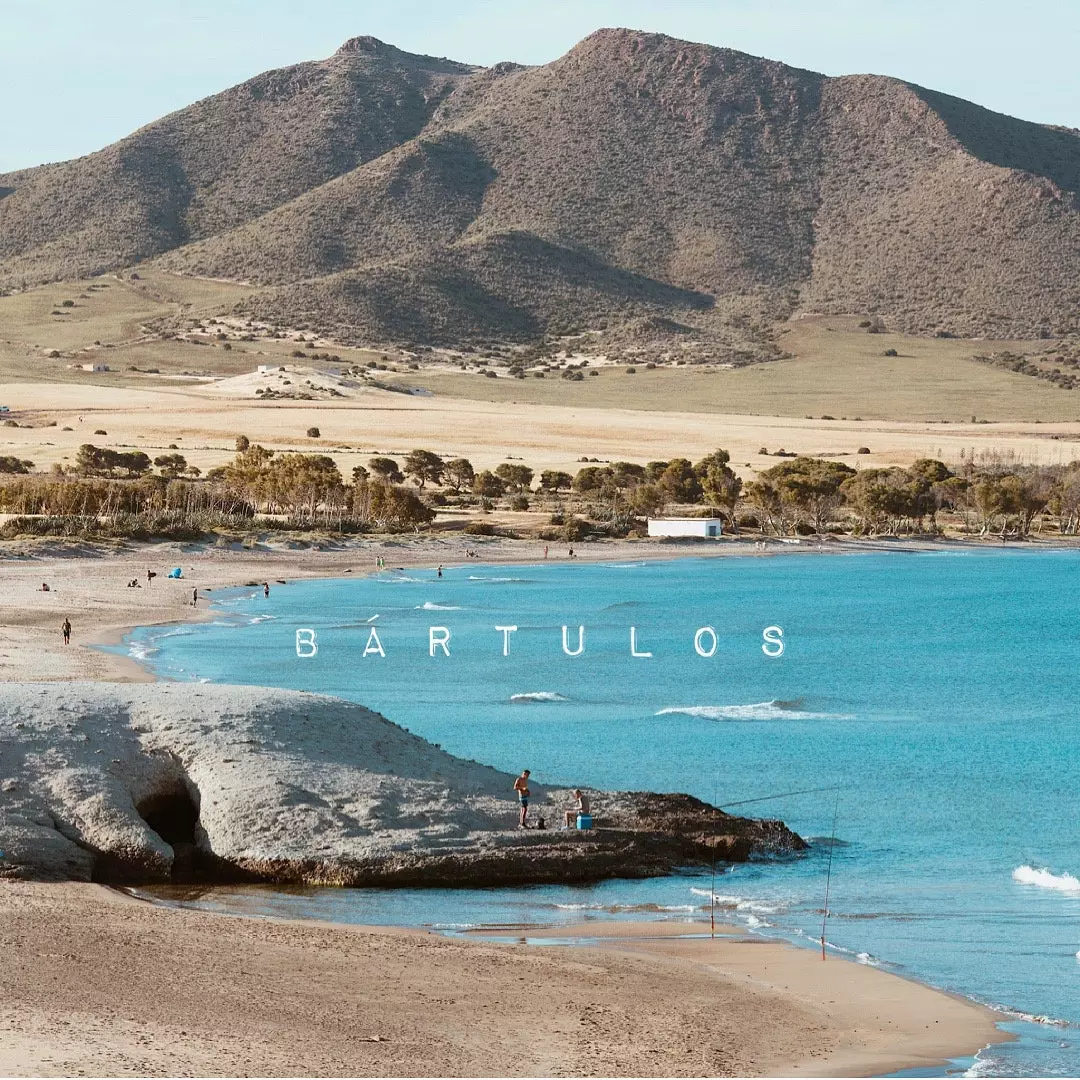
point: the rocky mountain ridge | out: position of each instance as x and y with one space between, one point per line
636 183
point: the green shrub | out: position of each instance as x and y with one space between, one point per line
575 530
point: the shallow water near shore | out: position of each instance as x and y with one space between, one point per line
935 692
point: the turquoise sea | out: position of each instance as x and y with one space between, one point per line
933 696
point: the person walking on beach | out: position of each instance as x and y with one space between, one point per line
545 551
195 597
65 629
581 807
521 786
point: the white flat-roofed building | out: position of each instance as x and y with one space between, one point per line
703 527
95 367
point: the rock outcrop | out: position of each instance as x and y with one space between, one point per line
201 783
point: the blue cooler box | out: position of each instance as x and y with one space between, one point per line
584 821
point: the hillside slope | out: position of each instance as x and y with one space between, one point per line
637 181
218 163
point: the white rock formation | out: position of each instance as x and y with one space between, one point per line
138 782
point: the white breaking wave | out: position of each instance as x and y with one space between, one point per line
763 710
717 898
740 904
541 695
615 909
981 1067
1044 879
499 580
427 605
1030 1018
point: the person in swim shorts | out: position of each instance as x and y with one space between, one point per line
521 786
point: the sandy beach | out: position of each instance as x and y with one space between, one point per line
96 983
89 585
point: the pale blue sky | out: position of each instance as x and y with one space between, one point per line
77 74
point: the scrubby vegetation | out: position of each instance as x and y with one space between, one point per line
116 494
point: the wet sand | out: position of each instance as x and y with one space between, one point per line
96 983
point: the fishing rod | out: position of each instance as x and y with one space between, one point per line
828 875
712 884
785 795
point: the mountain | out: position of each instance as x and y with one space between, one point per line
638 185
220 163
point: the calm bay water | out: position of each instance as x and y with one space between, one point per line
936 692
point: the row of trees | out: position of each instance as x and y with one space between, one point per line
798 495
810 494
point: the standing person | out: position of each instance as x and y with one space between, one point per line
570 553
150 575
521 786
266 589
194 597
65 629
545 551
440 571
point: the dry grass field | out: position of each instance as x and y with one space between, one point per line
838 393
836 370
112 322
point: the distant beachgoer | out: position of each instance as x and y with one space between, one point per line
521 786
194 597
65 629
545 551
580 807
150 575
440 571
571 553
266 588
45 586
